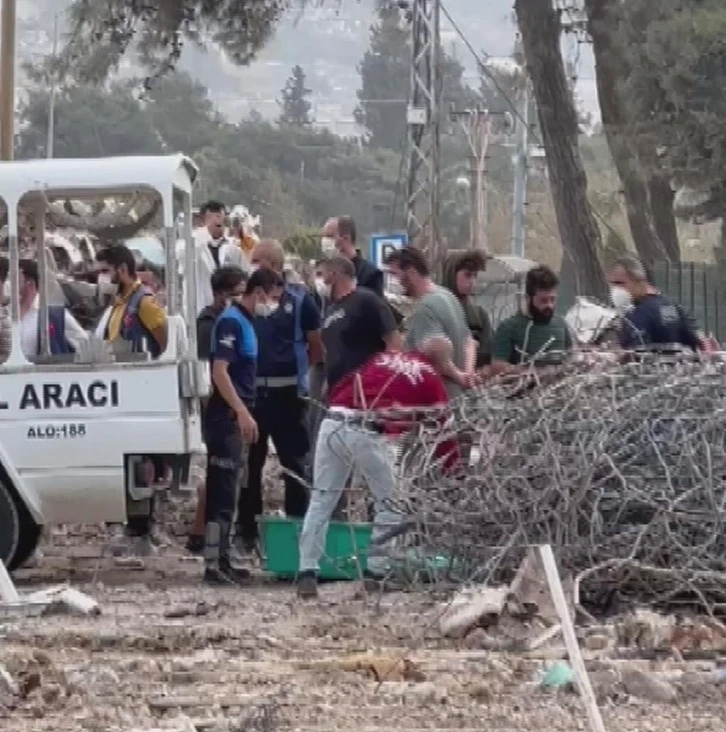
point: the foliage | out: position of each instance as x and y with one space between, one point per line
88 123
102 32
386 79
305 243
676 90
292 176
294 105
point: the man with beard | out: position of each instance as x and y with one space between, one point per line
535 335
438 314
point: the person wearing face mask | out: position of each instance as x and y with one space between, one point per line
535 335
649 319
135 321
228 283
288 333
339 236
229 424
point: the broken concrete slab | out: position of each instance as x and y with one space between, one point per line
469 606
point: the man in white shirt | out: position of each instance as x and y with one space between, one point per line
64 332
214 250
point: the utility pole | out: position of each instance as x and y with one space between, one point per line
53 85
521 175
422 195
7 80
477 126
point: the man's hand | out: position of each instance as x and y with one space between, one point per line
248 427
465 380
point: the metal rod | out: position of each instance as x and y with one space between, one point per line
519 216
39 216
7 80
49 145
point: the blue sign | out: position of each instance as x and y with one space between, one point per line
383 244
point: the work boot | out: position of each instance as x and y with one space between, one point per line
307 585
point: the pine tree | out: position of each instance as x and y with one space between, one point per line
294 105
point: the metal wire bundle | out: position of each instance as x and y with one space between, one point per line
621 468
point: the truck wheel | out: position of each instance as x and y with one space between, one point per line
9 527
28 540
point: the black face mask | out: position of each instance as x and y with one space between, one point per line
541 316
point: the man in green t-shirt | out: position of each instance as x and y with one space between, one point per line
535 335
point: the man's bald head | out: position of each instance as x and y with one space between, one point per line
269 254
343 230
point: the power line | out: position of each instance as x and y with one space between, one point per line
512 106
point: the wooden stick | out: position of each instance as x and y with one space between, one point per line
568 632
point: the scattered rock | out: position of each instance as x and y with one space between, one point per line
7 682
645 685
597 642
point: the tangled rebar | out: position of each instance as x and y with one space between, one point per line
620 467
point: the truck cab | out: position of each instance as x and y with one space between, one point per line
75 429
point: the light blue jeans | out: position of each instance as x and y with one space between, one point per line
340 447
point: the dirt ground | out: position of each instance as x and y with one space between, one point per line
168 653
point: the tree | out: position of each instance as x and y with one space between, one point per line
294 105
386 79
89 122
676 91
101 33
541 29
655 238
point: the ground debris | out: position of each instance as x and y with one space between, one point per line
376 666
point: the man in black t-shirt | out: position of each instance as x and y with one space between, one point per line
357 325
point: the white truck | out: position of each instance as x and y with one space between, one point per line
73 430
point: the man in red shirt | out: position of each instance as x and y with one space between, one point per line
366 407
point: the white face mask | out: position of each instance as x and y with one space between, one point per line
321 287
620 298
327 244
265 309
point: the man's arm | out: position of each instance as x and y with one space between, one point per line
205 327
225 387
75 335
470 350
378 312
153 318
227 337
502 347
428 338
375 282
310 324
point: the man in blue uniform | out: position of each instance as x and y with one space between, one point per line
650 320
228 422
288 333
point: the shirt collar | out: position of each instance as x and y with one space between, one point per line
126 296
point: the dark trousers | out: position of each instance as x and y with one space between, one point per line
224 461
280 415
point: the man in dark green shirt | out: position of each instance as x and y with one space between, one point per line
535 335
